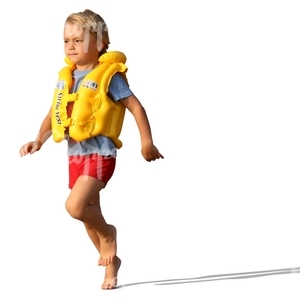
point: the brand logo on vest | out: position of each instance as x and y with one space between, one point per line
60 85
58 100
90 84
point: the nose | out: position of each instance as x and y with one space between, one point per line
71 45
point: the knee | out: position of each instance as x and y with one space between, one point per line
74 210
88 227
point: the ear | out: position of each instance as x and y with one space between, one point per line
100 46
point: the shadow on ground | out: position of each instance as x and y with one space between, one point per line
216 277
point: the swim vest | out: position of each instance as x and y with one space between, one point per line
93 112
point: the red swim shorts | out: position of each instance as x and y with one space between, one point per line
93 165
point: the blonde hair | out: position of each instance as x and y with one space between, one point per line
94 23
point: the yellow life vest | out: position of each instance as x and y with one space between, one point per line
93 112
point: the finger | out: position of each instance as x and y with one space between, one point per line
159 155
33 149
23 151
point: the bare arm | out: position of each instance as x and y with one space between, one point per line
43 135
149 151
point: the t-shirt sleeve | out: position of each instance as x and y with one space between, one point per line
118 88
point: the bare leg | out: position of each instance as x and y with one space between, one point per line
80 207
92 233
111 270
111 274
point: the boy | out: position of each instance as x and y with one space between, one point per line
92 160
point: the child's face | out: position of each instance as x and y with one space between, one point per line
80 46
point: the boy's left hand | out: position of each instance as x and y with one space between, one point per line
150 153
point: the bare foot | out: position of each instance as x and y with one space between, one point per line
111 273
108 247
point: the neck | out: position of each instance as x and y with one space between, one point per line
87 67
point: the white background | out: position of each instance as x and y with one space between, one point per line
220 83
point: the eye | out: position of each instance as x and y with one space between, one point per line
78 41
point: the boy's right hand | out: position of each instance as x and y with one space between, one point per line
30 148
